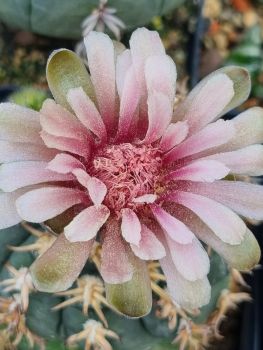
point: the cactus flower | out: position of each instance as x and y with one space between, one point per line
111 159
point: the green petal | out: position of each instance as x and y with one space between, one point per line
65 70
132 298
58 268
244 256
242 85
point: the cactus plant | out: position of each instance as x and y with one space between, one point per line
125 232
63 19
51 327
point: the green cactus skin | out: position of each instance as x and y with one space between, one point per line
62 19
56 326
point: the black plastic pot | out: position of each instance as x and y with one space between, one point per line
6 90
251 337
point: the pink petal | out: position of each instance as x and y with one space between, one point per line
17 151
160 75
149 248
19 124
242 257
87 112
20 174
206 102
57 121
146 198
175 228
128 104
143 44
191 260
82 176
123 64
79 147
130 226
187 294
45 203
86 224
159 114
245 161
223 222
173 135
200 170
244 198
97 190
8 213
100 52
115 265
212 135
64 163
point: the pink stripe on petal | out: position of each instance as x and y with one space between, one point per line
87 112
128 104
79 147
200 170
97 190
191 260
175 228
146 198
86 224
159 116
149 248
100 52
244 198
64 163
160 75
245 161
17 151
130 226
20 174
212 135
57 121
173 135
115 265
223 222
45 203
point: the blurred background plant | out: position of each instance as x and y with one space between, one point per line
29 96
223 32
231 32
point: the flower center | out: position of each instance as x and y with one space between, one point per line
128 171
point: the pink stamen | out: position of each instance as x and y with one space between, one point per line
128 171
